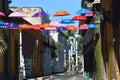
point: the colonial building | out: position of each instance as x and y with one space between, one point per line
103 41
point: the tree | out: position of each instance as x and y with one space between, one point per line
3 46
9 1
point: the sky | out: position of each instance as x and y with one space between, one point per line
51 6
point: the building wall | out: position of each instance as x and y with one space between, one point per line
33 49
111 40
10 60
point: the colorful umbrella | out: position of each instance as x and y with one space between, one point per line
92 26
61 28
25 26
37 27
71 27
83 27
47 26
40 14
16 14
89 15
83 11
12 26
61 13
67 21
56 23
2 14
51 28
79 17
2 24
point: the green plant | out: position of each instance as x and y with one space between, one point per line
79 63
3 46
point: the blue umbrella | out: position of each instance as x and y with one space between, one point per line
92 26
2 24
67 21
40 14
83 11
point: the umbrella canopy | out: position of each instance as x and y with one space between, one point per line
40 14
25 26
61 13
56 23
79 17
37 27
2 24
89 15
92 26
71 27
47 26
12 26
67 21
2 14
83 27
51 28
61 28
16 14
83 11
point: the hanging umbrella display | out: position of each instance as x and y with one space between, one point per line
83 11
67 21
89 14
40 14
2 14
2 24
71 27
92 26
51 28
61 28
61 13
25 26
79 17
47 26
83 27
16 14
37 27
12 26
56 23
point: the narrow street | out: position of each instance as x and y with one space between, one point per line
63 76
68 77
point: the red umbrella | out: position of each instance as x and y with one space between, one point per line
61 13
79 17
37 27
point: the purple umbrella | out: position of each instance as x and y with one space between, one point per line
40 14
12 26
61 28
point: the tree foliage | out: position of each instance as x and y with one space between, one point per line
3 46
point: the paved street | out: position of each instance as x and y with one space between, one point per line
67 76
63 76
